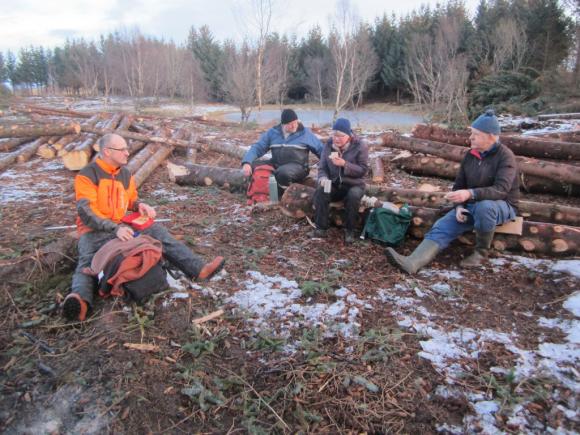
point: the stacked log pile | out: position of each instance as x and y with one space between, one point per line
73 137
438 152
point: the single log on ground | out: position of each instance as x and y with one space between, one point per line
141 157
140 137
46 259
564 136
36 130
520 145
156 159
540 168
378 170
537 237
530 210
559 116
7 145
80 156
200 175
51 111
438 167
64 141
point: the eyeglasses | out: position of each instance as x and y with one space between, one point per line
119 149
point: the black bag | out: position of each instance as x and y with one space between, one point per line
154 281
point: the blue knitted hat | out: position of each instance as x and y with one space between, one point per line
487 123
342 125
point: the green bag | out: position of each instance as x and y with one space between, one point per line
387 227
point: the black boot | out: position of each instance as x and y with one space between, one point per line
348 237
481 251
420 257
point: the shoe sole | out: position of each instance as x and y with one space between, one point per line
71 309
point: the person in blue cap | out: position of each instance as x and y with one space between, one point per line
341 171
290 144
485 194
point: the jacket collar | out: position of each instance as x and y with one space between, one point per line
484 154
109 169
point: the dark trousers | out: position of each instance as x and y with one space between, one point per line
285 174
175 252
351 196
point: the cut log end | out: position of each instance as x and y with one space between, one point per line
175 171
559 246
527 245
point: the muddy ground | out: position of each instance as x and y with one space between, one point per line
316 336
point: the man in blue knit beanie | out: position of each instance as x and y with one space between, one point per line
485 194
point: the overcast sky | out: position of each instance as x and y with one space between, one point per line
49 23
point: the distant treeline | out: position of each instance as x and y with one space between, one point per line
437 57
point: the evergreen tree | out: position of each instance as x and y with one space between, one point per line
11 67
3 72
390 48
210 56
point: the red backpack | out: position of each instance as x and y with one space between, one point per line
258 190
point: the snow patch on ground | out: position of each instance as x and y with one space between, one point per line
275 303
169 195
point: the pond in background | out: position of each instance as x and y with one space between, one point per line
320 117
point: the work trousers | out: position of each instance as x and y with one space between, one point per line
351 196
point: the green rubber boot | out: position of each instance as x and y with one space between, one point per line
481 251
421 256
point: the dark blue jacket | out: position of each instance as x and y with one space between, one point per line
355 170
293 149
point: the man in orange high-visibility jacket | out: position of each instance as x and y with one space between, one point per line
105 191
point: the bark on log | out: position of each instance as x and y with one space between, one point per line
140 137
564 136
530 210
200 175
537 237
438 167
559 116
540 168
45 260
141 157
27 151
64 141
378 170
156 159
520 145
51 111
7 145
36 130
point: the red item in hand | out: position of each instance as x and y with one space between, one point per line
137 221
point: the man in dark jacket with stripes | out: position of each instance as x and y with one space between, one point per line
290 144
486 193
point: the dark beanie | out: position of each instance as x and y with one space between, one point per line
343 125
288 115
487 123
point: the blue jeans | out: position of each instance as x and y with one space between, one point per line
484 217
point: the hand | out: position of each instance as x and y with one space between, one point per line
247 168
461 214
458 196
124 233
147 210
338 161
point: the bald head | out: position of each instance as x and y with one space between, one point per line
113 149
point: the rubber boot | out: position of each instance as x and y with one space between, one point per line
481 251
75 308
422 255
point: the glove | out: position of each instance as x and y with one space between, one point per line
461 214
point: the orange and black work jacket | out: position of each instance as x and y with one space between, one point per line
103 196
